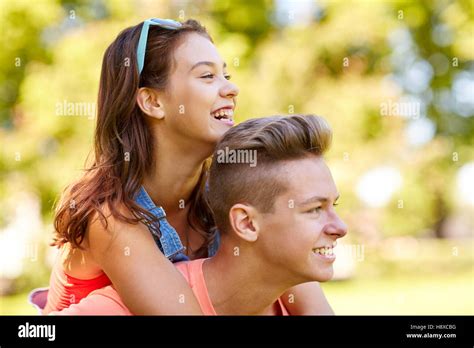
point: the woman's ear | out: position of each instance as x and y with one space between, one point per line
243 222
149 102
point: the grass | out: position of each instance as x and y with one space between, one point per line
409 295
16 305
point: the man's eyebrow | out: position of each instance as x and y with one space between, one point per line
211 64
315 199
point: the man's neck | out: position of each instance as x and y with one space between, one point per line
241 287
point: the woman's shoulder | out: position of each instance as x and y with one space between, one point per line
104 228
106 231
78 263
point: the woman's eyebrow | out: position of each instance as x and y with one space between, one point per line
211 64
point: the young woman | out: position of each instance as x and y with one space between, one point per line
164 102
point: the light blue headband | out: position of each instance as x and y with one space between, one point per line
141 48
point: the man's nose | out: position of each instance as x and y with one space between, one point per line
337 227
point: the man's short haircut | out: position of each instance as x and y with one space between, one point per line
270 141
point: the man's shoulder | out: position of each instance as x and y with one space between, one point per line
190 269
185 268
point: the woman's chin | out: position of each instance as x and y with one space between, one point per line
218 130
208 141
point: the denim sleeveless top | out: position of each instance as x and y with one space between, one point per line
165 236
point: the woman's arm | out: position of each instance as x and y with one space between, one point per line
306 299
104 301
145 279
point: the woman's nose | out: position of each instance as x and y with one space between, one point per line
229 90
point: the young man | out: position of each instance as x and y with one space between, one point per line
273 198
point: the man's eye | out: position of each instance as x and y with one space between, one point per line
208 76
335 204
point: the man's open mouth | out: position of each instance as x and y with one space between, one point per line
327 250
324 251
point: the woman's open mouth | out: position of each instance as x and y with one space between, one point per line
224 115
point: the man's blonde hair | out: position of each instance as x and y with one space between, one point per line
273 140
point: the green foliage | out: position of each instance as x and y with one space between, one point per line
21 44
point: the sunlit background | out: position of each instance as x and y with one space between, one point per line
395 79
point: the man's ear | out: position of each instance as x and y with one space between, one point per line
149 101
243 221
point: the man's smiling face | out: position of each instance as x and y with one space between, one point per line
297 237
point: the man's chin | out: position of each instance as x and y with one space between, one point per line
320 275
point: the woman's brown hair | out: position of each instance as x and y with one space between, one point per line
123 142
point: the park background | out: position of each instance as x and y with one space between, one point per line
395 79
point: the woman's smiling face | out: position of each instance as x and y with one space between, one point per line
198 86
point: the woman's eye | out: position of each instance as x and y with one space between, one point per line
210 76
315 210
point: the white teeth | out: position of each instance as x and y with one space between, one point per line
223 112
323 251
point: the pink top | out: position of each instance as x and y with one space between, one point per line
106 301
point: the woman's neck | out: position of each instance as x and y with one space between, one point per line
174 177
